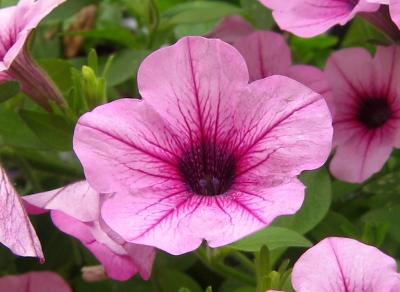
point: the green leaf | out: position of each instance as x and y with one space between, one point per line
245 289
170 280
198 12
9 90
316 203
53 130
257 14
59 71
272 237
124 66
334 224
68 9
120 36
14 132
386 216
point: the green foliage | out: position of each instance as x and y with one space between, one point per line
9 90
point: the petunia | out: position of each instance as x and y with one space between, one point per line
394 8
204 155
34 282
266 53
366 99
75 211
17 23
312 17
342 264
16 231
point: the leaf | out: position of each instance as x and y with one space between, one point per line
120 36
53 130
198 12
9 90
272 237
385 216
124 66
59 71
316 203
68 9
170 280
257 14
14 132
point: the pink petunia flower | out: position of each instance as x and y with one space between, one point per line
34 282
205 155
312 17
75 210
366 99
342 264
17 23
394 7
16 231
266 53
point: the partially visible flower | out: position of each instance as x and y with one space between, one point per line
205 155
342 264
17 23
394 8
312 17
34 282
366 99
266 53
75 210
16 231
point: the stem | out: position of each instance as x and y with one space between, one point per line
225 271
243 260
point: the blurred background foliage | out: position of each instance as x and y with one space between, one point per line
92 50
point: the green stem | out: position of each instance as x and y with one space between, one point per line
243 260
225 271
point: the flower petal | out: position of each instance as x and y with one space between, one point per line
34 282
285 129
177 221
266 54
313 17
118 265
368 150
78 200
16 231
125 145
394 8
231 28
348 265
193 85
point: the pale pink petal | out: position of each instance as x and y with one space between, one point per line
118 265
312 17
266 54
16 231
34 282
362 156
177 221
78 200
347 265
231 28
311 77
285 128
395 11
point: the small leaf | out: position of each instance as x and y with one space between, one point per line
170 280
272 237
9 90
53 130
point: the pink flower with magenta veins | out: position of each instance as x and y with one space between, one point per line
366 100
75 210
204 155
342 264
17 23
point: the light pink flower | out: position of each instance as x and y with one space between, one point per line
312 17
205 155
266 54
394 7
75 210
342 264
17 23
34 282
367 110
16 231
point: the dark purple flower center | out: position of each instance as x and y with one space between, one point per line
207 169
374 112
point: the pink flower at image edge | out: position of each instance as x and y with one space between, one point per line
205 155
